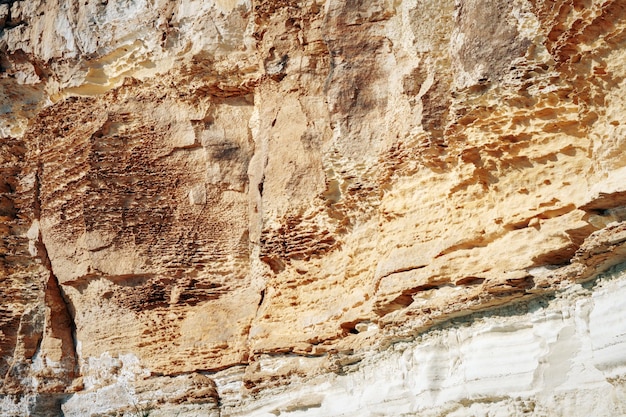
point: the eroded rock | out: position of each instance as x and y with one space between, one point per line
245 207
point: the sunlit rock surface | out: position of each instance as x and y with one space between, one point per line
312 207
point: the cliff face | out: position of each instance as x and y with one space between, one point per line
294 208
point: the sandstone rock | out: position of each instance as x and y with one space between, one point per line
312 208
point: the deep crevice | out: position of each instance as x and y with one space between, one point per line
53 282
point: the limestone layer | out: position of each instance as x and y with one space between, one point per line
318 207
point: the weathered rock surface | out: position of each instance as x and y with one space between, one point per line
239 207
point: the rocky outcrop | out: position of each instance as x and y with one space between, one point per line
312 208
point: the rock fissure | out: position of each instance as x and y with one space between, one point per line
59 322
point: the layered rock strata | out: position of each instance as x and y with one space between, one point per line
239 207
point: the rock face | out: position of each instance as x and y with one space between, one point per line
312 208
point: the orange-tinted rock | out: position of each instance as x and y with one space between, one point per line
230 197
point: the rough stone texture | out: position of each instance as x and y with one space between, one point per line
279 207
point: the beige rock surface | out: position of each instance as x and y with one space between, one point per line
205 205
